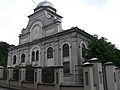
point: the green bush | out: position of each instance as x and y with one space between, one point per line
29 73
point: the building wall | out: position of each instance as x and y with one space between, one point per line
43 32
40 26
57 42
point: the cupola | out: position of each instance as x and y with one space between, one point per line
45 4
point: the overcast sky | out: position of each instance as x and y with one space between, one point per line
101 17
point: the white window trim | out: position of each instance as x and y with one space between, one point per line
46 59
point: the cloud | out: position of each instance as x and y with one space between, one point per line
97 3
103 21
13 18
94 16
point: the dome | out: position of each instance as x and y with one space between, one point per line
45 3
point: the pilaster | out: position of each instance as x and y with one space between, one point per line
74 54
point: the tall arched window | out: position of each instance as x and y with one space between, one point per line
37 55
83 51
33 55
14 59
49 53
22 58
65 50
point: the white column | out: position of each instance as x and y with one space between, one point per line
22 73
110 76
1 72
88 76
98 73
117 72
38 75
10 73
58 76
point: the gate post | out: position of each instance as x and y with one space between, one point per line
9 74
98 73
117 72
88 76
37 75
110 76
58 76
1 72
22 74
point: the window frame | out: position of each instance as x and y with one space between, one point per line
37 55
22 58
14 59
65 50
83 51
50 52
33 56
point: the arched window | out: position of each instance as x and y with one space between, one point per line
14 59
65 50
33 55
37 55
22 58
83 51
49 53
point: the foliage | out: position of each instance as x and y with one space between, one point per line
29 73
47 75
4 53
104 50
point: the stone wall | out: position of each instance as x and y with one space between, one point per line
71 87
46 87
28 85
96 76
14 83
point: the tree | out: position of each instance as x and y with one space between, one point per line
4 53
103 50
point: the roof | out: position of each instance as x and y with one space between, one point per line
45 3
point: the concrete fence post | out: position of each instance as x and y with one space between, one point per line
58 76
1 72
117 72
9 74
110 76
37 75
22 74
88 76
97 73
